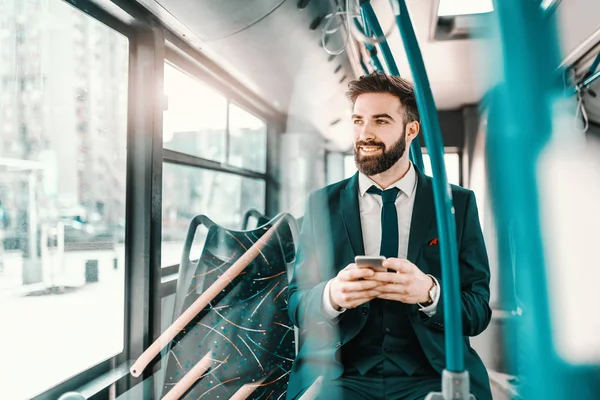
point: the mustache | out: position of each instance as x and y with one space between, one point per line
373 144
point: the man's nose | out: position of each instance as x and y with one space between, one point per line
366 134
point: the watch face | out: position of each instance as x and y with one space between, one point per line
433 293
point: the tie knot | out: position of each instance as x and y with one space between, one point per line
387 196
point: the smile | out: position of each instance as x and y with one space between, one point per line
370 149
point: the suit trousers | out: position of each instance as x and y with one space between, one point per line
385 381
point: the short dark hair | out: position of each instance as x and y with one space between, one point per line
378 82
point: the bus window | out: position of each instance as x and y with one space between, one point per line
452 161
187 191
63 124
349 165
196 119
248 140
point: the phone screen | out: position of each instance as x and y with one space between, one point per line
373 262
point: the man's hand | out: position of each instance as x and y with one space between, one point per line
408 284
352 287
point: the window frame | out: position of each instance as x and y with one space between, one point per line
458 152
153 42
142 279
114 20
447 150
232 102
191 65
195 66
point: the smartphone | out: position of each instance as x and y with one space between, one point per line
373 262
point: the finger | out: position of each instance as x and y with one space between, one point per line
353 296
398 265
392 277
397 297
361 300
393 288
358 302
391 296
355 274
356 286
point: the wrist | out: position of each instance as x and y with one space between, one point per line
426 299
332 301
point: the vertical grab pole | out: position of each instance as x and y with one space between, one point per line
455 380
520 125
441 190
442 195
370 48
375 28
364 66
372 25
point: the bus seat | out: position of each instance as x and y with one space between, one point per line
253 213
245 332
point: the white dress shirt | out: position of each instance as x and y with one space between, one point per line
370 220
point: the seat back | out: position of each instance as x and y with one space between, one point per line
260 219
244 334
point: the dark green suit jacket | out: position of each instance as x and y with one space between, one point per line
330 239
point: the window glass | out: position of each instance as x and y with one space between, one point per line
188 191
452 161
196 119
349 165
248 140
63 136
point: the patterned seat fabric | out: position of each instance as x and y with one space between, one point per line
245 330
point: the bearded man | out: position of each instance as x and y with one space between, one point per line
371 334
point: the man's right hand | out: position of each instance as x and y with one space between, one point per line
352 287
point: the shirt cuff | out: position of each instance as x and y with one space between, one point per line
328 309
432 308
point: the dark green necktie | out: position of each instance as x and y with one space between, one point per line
389 221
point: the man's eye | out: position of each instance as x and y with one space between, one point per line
357 122
381 121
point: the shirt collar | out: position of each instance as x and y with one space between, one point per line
406 184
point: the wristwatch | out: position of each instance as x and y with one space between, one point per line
432 292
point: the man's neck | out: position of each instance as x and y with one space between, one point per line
392 175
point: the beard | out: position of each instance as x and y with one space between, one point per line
377 163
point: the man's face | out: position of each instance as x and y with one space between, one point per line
379 134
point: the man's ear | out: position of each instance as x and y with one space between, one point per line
412 130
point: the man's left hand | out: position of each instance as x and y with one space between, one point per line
408 284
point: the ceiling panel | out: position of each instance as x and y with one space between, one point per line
271 45
458 70
206 17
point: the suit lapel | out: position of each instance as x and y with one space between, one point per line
351 215
422 216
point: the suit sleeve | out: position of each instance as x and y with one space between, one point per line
474 277
305 292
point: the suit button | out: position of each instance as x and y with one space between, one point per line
365 311
338 345
388 330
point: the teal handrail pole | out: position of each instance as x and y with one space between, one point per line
441 192
519 127
594 65
364 66
375 62
588 81
372 25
